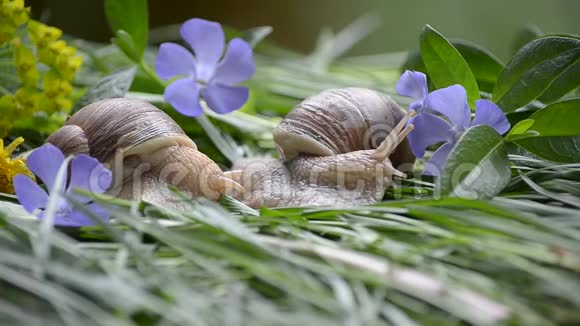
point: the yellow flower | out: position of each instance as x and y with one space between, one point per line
14 11
10 167
68 65
54 85
54 52
12 14
52 104
25 64
6 32
41 35
26 99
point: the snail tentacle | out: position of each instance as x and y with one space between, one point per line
395 137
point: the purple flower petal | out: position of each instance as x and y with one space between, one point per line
44 162
207 40
436 163
237 65
74 218
452 103
487 113
412 84
429 130
77 218
174 60
183 95
224 99
29 194
88 173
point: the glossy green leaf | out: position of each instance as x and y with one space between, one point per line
556 132
533 68
484 65
520 130
558 119
563 84
445 64
558 148
132 17
478 166
124 41
521 127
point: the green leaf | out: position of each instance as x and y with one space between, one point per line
558 149
521 127
563 84
445 64
485 66
533 68
520 130
558 119
131 16
114 85
556 133
124 41
478 166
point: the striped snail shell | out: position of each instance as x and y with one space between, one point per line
145 149
338 121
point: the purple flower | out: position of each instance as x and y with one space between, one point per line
85 173
205 74
431 129
444 101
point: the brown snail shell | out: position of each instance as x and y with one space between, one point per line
145 149
338 121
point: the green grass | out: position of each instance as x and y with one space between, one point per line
409 261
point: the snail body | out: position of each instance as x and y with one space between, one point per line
144 148
336 148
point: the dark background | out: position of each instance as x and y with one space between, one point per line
491 23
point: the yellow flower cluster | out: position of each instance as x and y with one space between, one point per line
63 63
53 92
10 167
13 14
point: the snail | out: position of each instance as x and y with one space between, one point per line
145 149
336 148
